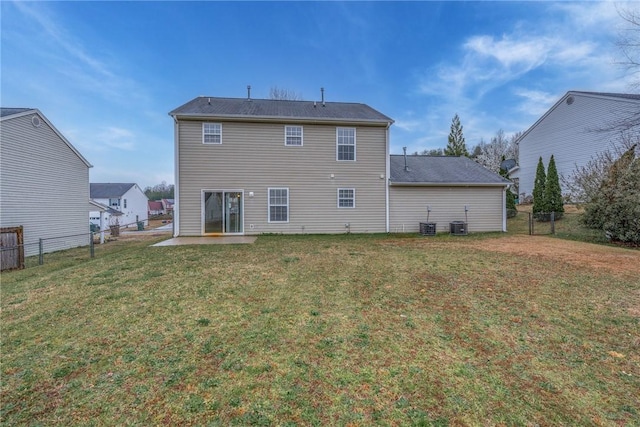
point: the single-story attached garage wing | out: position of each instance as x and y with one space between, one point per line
444 189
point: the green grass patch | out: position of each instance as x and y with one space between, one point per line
569 227
319 330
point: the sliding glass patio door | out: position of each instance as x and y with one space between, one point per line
222 212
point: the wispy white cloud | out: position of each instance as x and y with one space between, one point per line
408 124
56 33
117 138
510 52
68 57
601 16
570 48
535 102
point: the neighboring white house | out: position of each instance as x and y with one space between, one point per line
109 215
574 130
126 198
44 182
251 166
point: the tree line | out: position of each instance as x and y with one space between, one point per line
160 191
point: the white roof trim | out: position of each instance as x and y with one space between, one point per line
574 93
100 206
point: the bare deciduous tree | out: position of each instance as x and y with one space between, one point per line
490 155
284 94
431 152
585 181
629 43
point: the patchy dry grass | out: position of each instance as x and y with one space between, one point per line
324 330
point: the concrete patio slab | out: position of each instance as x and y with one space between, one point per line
218 240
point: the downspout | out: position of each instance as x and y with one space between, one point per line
386 178
504 209
176 195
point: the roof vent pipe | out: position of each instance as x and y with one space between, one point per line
406 168
248 92
322 95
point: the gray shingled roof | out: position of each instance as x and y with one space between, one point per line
108 190
432 170
204 106
6 112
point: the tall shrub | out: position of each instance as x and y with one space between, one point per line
539 201
615 208
552 191
511 204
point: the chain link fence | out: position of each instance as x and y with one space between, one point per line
14 254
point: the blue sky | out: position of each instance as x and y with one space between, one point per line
107 73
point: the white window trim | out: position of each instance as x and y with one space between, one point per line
354 144
269 205
354 198
203 133
301 136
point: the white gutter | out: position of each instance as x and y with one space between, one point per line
176 195
386 179
449 184
504 209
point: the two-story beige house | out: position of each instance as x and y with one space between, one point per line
252 166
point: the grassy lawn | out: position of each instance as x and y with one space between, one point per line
323 330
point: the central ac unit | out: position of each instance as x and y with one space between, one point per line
458 228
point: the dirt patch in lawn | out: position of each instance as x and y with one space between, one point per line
580 254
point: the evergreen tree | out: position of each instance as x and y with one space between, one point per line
456 145
539 202
511 204
552 191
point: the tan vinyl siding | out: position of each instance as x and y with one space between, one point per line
253 158
44 185
408 207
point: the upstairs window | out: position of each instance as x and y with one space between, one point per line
293 135
212 133
125 203
114 203
278 205
346 144
346 197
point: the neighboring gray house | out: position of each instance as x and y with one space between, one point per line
445 189
574 130
252 166
126 198
44 182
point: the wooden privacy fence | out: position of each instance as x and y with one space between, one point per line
11 248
